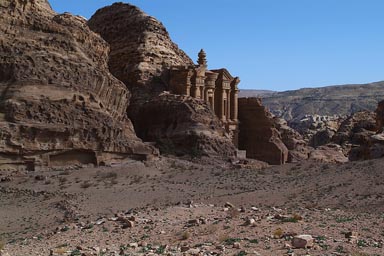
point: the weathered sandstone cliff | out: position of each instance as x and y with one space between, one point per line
183 125
367 140
380 116
141 47
141 56
298 149
258 135
58 102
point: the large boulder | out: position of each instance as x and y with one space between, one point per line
258 134
58 102
183 125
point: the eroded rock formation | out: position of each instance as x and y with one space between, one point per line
362 133
298 149
258 135
140 45
356 130
58 102
142 55
183 125
141 50
380 116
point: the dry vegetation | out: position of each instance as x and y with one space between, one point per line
176 206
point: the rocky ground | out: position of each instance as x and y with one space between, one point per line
200 207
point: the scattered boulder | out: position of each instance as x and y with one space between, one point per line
236 245
352 236
229 205
184 248
250 222
302 241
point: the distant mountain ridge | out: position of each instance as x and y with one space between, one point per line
331 100
254 93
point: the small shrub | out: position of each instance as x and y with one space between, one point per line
342 219
161 249
63 179
211 229
75 252
231 241
278 233
362 243
185 235
2 245
340 249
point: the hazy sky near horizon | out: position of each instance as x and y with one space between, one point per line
272 44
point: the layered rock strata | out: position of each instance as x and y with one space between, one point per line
141 50
59 103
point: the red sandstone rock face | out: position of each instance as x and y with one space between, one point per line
183 125
355 130
56 93
367 138
330 153
298 149
141 48
380 116
141 55
258 135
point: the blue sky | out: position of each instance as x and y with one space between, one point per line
272 44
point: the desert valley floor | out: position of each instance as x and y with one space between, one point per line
173 206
